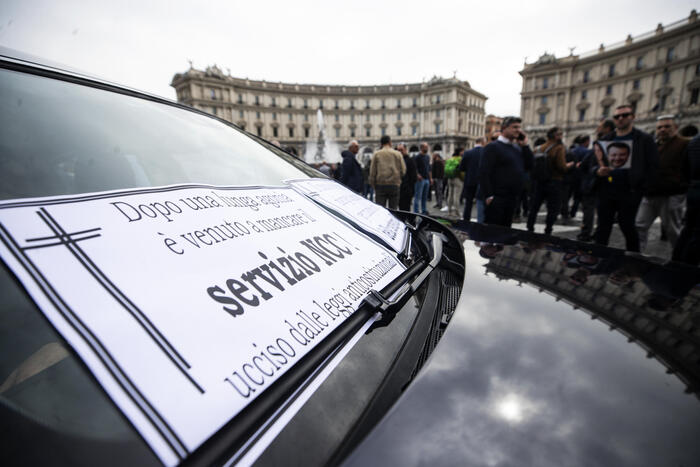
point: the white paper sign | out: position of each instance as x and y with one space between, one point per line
186 302
366 214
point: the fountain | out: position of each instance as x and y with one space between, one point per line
323 149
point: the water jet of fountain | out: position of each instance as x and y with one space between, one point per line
323 149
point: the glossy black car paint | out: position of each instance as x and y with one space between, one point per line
560 353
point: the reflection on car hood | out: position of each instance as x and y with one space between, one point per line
559 353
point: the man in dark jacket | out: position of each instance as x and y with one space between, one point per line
623 183
665 197
424 179
688 245
502 172
550 190
407 181
351 172
470 167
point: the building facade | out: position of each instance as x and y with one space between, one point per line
657 73
446 113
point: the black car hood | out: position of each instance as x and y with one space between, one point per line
559 353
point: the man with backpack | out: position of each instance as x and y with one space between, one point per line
548 172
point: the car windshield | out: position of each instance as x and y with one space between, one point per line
60 138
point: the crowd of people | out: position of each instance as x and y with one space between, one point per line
624 176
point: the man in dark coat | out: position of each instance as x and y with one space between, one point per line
623 180
502 172
407 181
470 167
351 172
688 245
665 197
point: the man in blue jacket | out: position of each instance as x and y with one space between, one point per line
351 172
502 172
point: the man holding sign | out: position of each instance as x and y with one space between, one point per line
632 162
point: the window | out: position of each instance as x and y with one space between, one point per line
320 103
212 94
336 104
290 117
611 70
259 130
383 104
306 104
383 131
398 131
240 113
368 132
670 54
291 132
367 104
437 128
306 132
606 111
352 132
697 69
635 84
582 115
352 117
274 115
367 118
608 89
306 117
694 96
383 117
337 132
257 115
437 113
545 82
640 63
240 98
544 100
437 99
337 117
586 76
274 131
666 77
289 102
398 103
662 103
274 102
352 105
584 94
414 130
398 116
543 118
257 100
213 110
415 102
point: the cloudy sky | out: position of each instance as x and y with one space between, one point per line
143 43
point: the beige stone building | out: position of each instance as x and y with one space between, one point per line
657 73
447 113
